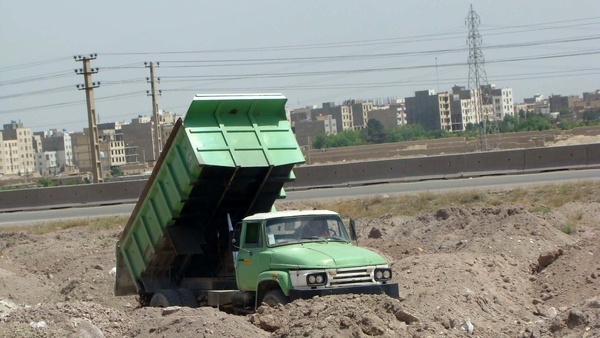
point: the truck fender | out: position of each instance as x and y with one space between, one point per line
270 280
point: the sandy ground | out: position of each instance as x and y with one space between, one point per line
509 270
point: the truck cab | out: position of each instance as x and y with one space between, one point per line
286 255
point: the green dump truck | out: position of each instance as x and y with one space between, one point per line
204 230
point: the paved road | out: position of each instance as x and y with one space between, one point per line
488 182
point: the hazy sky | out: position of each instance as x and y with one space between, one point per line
311 51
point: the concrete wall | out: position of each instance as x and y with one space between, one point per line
335 175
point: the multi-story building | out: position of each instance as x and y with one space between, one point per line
46 163
388 117
342 115
59 141
360 111
112 146
430 110
139 135
591 101
502 103
307 131
80 142
17 148
300 114
391 113
559 102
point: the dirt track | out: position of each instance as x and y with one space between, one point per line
511 269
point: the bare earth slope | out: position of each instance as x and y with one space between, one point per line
508 270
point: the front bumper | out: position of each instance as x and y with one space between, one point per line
390 289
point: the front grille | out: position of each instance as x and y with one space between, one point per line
351 276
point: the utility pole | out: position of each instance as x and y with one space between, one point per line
155 118
89 86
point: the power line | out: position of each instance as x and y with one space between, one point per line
33 64
70 103
246 62
186 78
371 42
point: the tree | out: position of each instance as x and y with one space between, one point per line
115 171
319 142
374 133
409 132
564 111
46 182
591 115
534 122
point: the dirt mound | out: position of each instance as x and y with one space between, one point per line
505 270
341 316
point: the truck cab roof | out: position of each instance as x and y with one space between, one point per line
287 213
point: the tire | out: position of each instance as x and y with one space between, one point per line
188 298
165 298
274 297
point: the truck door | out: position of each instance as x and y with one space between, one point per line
249 264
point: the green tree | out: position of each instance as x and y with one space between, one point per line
319 142
115 171
408 132
592 115
374 133
534 122
46 182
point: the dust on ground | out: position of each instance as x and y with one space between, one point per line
509 270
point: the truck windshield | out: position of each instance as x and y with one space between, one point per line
291 230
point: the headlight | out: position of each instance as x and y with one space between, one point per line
382 275
316 279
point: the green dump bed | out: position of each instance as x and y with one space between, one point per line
229 158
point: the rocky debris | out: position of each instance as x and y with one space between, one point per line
375 233
6 307
337 316
66 318
86 329
548 258
170 310
454 266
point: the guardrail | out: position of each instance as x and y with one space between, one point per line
335 175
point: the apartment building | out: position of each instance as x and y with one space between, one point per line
307 131
430 110
560 102
17 150
80 142
502 102
59 141
360 111
342 115
46 163
111 145
139 135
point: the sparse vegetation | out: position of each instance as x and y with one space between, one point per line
542 208
568 228
541 198
108 222
375 134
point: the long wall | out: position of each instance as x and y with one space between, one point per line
336 175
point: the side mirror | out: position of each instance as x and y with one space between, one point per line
353 230
234 240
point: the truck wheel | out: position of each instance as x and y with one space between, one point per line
165 298
274 297
188 298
